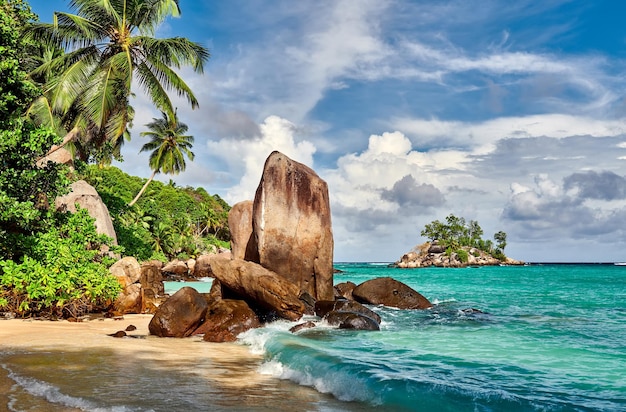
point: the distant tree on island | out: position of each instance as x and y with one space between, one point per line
456 233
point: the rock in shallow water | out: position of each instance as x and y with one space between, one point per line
390 292
351 320
179 315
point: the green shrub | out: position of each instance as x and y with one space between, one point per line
463 255
499 254
66 276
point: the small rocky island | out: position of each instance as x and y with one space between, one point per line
457 243
432 254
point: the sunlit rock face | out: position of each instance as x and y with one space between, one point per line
83 194
240 225
291 226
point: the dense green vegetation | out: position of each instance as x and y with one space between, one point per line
456 233
63 274
166 222
56 81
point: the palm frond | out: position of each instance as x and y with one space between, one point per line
175 51
151 84
170 80
151 13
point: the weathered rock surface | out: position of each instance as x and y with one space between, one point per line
259 286
88 198
389 292
177 267
351 320
301 326
180 315
202 268
127 271
292 234
128 301
240 225
152 289
323 307
345 289
225 319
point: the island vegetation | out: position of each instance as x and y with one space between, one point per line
68 85
457 235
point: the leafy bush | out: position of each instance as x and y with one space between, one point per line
463 255
25 188
66 276
499 254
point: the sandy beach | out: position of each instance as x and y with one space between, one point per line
70 366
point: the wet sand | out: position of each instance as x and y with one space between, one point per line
79 366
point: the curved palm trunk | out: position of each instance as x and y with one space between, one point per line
142 189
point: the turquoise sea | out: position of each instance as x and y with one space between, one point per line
543 338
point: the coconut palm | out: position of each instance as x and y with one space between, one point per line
109 47
169 146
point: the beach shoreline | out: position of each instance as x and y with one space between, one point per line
38 351
75 361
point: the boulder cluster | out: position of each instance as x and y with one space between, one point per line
280 267
432 254
142 286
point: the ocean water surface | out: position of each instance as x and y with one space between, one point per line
537 338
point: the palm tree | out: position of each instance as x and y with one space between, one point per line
168 145
108 44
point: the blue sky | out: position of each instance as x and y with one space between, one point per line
509 113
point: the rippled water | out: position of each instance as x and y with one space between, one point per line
550 337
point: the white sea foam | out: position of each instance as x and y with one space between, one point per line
256 339
439 302
52 394
343 387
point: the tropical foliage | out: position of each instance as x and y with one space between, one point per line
15 90
109 46
169 146
456 233
64 274
73 78
50 263
167 221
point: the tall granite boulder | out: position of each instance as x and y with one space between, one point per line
240 225
88 198
259 286
291 225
